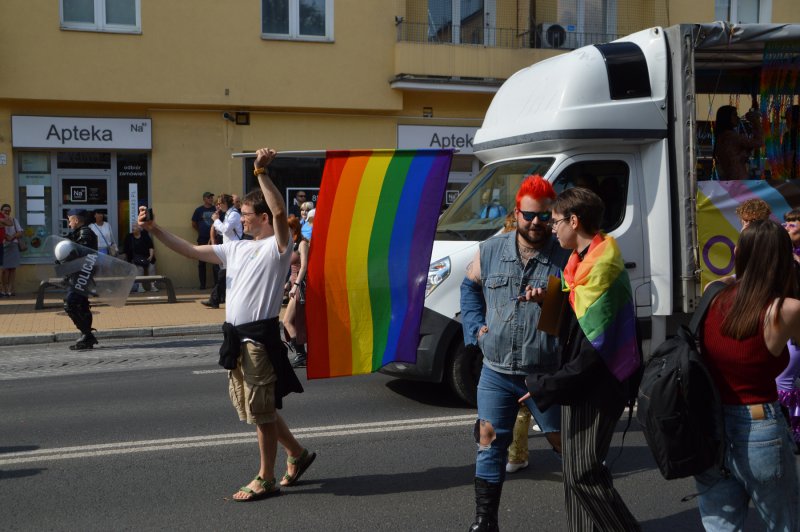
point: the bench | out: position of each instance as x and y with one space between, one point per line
58 284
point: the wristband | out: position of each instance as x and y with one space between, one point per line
259 170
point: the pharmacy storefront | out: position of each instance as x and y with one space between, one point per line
465 165
62 163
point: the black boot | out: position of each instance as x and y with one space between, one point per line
86 341
487 503
299 360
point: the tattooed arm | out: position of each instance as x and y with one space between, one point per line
473 304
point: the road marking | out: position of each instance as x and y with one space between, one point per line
170 444
204 371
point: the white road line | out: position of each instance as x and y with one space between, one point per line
168 444
205 371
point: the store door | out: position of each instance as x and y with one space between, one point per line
84 191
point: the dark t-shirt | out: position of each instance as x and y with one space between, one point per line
138 247
202 216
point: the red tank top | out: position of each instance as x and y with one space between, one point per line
744 370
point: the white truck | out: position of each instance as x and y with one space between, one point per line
620 118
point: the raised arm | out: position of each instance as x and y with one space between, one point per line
280 221
177 244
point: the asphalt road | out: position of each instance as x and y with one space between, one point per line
140 435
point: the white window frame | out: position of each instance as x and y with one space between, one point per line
100 20
294 24
489 22
764 11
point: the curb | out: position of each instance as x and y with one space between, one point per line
144 332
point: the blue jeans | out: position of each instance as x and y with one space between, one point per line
758 454
498 394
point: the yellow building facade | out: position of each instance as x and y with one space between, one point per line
106 104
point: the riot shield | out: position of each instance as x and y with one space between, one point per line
107 279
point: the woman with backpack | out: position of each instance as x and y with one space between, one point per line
744 347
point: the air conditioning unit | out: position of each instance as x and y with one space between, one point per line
555 35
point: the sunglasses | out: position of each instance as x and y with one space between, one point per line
528 216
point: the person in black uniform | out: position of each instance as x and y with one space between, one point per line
76 302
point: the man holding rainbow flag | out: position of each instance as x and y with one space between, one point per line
600 362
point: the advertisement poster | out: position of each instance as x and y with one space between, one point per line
718 225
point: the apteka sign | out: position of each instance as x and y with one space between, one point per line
86 133
441 137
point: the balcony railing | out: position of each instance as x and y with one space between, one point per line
544 36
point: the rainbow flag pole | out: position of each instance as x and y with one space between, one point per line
372 240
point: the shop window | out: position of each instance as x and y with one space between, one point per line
307 20
608 179
115 16
35 205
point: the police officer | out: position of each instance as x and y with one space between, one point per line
76 302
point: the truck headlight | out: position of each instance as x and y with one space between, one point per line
437 273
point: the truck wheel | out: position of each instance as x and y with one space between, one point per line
463 371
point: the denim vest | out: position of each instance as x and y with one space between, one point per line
513 345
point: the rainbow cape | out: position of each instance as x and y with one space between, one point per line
600 294
369 258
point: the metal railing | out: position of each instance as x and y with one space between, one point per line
498 37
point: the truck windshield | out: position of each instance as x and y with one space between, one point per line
480 210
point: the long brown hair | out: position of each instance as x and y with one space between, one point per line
764 272
294 227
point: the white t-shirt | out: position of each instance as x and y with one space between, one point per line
105 237
256 272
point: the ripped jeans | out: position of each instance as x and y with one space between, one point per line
498 394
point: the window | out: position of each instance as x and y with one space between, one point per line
478 212
306 20
743 11
471 21
120 16
608 179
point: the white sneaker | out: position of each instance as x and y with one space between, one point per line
140 288
153 288
536 428
512 467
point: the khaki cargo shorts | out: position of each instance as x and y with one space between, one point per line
252 385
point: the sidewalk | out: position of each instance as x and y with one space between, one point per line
145 314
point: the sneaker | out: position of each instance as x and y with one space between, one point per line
299 361
536 428
153 288
140 288
209 304
513 467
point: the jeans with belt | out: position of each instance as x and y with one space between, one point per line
760 468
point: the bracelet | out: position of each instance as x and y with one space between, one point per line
259 170
297 284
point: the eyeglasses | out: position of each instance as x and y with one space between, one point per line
528 216
247 213
555 223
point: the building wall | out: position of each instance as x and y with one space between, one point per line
189 53
194 60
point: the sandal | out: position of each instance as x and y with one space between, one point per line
270 490
302 462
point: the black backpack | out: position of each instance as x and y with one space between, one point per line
679 406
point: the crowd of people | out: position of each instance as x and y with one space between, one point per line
573 382
221 221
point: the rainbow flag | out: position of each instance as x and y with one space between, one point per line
600 294
368 263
